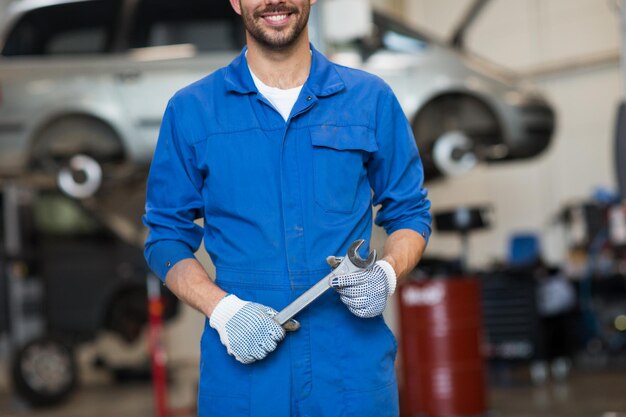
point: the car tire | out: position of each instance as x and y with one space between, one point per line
60 142
457 114
44 371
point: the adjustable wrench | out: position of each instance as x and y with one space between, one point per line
348 264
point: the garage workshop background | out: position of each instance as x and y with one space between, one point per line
569 50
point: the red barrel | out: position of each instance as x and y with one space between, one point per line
443 368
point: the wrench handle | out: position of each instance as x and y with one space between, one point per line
304 300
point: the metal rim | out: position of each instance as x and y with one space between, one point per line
92 172
47 367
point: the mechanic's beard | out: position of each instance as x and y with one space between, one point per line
275 38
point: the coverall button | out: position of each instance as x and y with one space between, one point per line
168 264
309 98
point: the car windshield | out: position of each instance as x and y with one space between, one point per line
401 43
83 27
208 25
395 36
392 34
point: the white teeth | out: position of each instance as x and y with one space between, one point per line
277 17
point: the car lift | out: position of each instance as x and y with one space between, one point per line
22 324
16 293
22 320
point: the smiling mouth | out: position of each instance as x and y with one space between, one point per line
277 19
277 15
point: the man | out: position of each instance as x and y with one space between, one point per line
279 153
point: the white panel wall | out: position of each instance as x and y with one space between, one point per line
522 34
436 16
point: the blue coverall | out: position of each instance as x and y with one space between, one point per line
277 198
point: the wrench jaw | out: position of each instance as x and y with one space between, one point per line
341 265
355 258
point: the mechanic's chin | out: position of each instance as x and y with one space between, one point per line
280 39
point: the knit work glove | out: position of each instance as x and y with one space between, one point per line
246 329
366 293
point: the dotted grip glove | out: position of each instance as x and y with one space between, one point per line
366 293
246 329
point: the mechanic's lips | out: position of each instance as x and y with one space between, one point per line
277 19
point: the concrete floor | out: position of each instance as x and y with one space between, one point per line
586 394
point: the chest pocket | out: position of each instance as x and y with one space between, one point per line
339 174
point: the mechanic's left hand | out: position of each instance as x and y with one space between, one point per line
366 293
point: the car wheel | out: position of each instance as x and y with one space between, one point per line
454 131
79 153
453 153
44 372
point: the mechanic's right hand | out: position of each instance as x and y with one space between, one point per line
246 329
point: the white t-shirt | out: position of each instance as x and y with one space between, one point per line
282 100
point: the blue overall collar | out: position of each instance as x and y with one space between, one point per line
324 80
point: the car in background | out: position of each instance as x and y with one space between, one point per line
65 277
92 77
462 109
